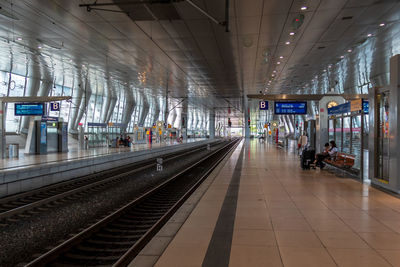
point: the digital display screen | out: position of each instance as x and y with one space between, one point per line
282 108
29 109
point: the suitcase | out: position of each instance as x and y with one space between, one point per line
307 156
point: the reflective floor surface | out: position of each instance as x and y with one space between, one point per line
286 216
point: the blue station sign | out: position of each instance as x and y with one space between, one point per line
28 109
55 106
263 105
339 109
282 108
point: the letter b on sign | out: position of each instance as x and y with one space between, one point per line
55 106
263 105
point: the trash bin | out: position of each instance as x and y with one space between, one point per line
13 151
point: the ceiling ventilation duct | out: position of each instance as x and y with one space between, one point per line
150 10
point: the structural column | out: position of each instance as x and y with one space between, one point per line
2 130
322 121
184 119
211 124
246 118
389 151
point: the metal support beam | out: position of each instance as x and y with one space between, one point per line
315 97
33 99
95 6
205 13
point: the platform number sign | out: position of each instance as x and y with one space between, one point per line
55 106
263 105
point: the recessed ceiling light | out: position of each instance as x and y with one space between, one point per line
382 24
324 70
281 57
273 75
303 8
39 47
341 56
274 71
19 39
369 34
288 43
292 33
349 50
278 62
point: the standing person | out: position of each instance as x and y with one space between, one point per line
302 142
129 141
86 141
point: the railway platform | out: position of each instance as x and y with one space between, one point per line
34 171
262 209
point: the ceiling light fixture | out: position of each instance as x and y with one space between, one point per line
303 8
274 71
349 50
382 24
281 57
369 34
19 39
288 43
39 47
341 56
292 33
278 62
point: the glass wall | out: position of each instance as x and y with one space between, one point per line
70 84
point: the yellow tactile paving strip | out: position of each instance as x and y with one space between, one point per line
289 217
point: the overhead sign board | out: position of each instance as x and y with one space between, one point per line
356 105
339 109
365 106
49 118
96 124
29 109
263 105
353 106
297 107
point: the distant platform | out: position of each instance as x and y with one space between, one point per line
34 171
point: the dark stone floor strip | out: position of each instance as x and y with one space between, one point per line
219 249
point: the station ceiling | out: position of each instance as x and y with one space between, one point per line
273 46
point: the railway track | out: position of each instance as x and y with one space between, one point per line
118 238
27 204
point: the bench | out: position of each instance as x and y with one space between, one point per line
342 160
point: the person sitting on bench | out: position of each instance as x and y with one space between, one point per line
329 152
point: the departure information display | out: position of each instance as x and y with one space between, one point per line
29 109
282 108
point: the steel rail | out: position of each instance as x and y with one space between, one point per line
74 191
57 251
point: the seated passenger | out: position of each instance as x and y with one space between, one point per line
329 152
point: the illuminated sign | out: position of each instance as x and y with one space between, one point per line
29 109
365 106
282 108
55 106
263 105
